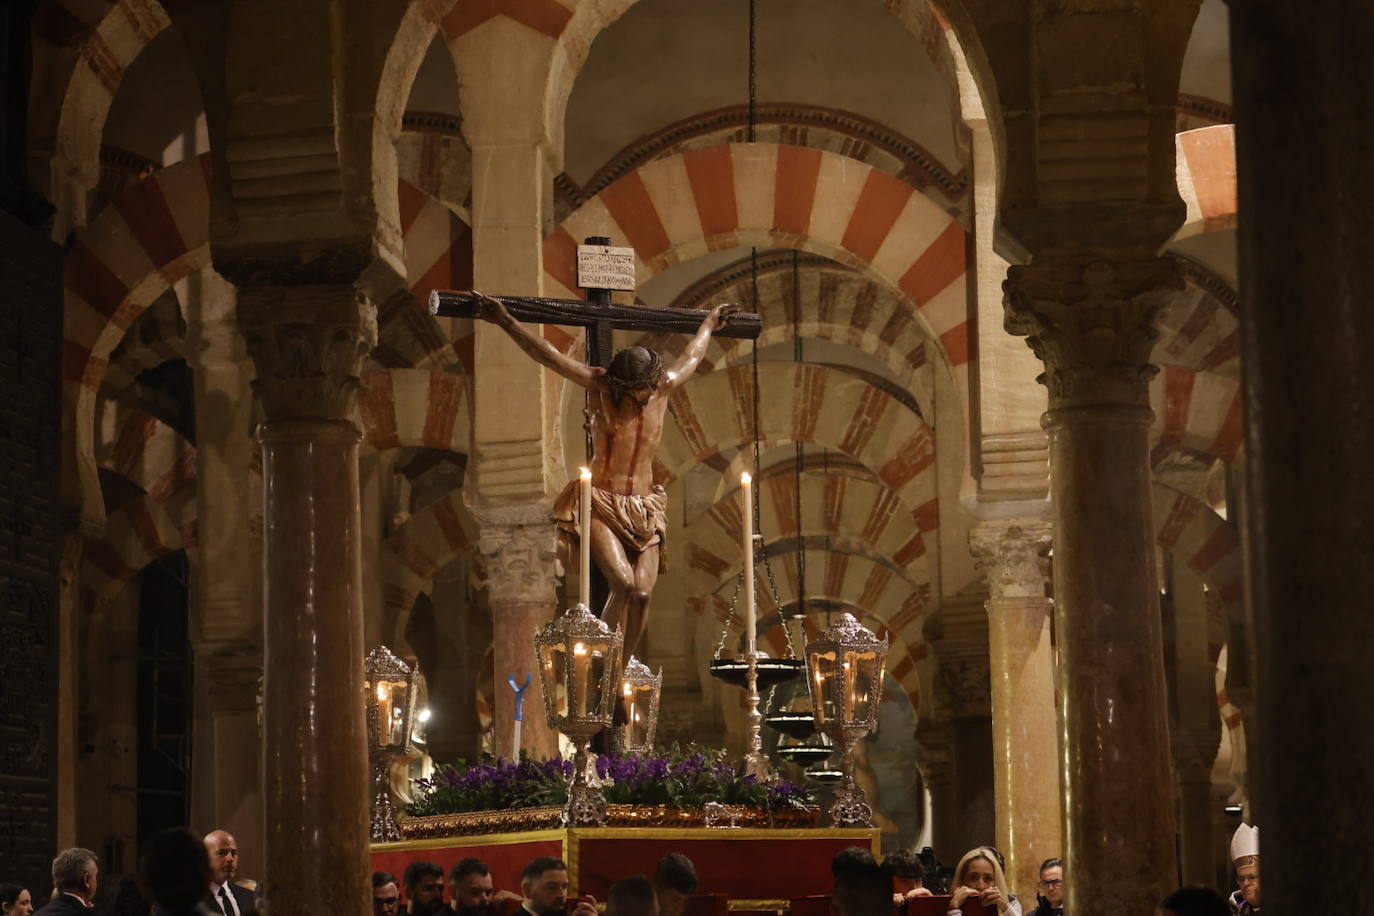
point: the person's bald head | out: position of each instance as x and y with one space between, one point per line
224 856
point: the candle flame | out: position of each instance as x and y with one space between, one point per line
628 690
586 473
381 691
744 477
579 649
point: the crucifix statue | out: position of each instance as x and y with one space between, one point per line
627 401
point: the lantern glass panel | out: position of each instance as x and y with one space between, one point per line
588 677
555 672
392 699
861 672
636 700
823 687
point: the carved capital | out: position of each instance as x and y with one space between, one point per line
1014 556
308 344
521 561
964 686
1092 325
1194 751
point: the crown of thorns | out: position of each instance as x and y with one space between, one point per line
634 368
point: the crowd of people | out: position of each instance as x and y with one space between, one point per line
181 875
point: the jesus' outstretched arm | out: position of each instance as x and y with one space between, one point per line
692 354
537 347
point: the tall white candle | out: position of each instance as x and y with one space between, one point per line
584 540
581 672
747 486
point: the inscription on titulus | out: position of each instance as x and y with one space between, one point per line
605 267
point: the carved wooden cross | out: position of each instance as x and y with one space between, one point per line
596 313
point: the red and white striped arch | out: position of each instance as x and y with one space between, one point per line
1198 332
79 77
416 407
152 235
1210 546
741 194
1206 169
424 544
158 337
838 305
849 510
136 534
1197 411
147 452
806 403
437 246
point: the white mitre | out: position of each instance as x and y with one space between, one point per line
1245 846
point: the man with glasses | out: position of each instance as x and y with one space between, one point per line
1051 892
386 894
1245 858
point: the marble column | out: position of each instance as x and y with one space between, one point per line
516 466
1195 727
1301 81
519 545
225 598
1194 753
1025 730
308 343
936 763
1091 325
962 688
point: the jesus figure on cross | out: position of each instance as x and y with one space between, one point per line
629 511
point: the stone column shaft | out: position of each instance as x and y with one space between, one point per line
1024 722
516 466
1195 728
522 586
308 343
226 618
1195 804
964 696
1307 348
1091 324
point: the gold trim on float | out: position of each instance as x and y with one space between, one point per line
726 833
760 904
475 839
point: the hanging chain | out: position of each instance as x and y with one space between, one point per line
731 617
798 357
761 552
753 69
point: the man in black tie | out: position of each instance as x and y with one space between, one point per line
74 876
226 897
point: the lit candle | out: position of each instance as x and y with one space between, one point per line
383 714
584 539
747 485
850 689
581 668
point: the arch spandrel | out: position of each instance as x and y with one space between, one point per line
416 407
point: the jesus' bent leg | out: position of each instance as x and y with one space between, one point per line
637 606
608 553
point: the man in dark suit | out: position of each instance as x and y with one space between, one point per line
226 897
74 875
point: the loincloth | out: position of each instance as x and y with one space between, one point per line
639 521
